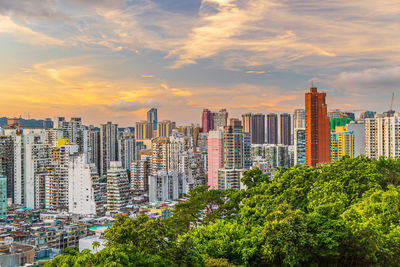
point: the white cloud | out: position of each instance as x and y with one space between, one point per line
25 34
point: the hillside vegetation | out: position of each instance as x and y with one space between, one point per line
342 214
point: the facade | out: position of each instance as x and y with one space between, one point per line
272 128
299 119
164 128
52 187
108 146
382 136
152 118
207 121
233 145
358 130
220 118
83 197
160 155
300 146
37 158
144 130
117 187
317 128
215 156
7 163
254 124
66 152
140 171
3 197
342 143
48 123
230 178
94 148
126 150
163 186
286 129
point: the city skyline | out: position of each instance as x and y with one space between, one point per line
114 60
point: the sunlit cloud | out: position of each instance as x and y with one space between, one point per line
111 59
25 34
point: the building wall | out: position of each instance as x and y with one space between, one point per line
82 179
317 128
215 156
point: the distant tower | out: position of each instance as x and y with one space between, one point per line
286 129
272 128
298 118
152 117
207 120
317 128
254 124
108 146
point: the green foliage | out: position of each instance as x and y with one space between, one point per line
346 213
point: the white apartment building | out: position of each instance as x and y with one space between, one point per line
82 186
382 136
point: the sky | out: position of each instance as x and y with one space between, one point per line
112 60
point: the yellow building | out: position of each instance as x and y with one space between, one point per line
342 143
62 142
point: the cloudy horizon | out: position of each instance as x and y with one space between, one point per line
112 60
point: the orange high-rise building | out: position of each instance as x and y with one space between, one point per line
317 128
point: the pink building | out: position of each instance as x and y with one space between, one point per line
215 156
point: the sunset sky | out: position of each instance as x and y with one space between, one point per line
111 60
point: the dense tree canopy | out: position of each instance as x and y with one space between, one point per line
345 213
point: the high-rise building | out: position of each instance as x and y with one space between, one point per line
272 128
37 157
299 119
160 155
342 143
300 146
317 128
144 130
108 146
215 156
126 150
207 120
254 124
117 187
230 178
220 118
7 163
164 128
48 123
152 118
192 131
52 187
94 148
83 192
66 152
382 136
164 185
358 130
203 143
3 196
286 129
233 145
140 171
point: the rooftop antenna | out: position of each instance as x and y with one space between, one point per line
391 105
312 83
